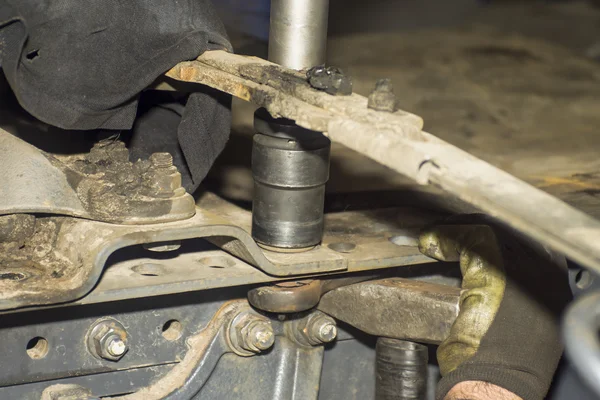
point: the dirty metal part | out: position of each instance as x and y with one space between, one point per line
250 333
103 186
396 308
67 392
16 228
101 385
64 261
107 339
382 98
288 371
314 329
186 379
580 332
298 32
296 296
74 253
331 80
66 330
289 190
401 370
291 172
397 141
210 370
286 297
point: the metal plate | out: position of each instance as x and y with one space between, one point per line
82 248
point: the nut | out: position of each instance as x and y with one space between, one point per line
162 178
257 336
250 334
382 98
107 340
315 329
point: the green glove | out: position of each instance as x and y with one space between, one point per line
507 332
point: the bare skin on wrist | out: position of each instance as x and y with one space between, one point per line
478 390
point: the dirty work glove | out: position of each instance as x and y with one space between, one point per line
507 332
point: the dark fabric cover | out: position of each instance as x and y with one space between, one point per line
81 64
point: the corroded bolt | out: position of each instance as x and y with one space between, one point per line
259 335
161 160
163 179
116 347
314 329
321 329
382 98
250 334
107 340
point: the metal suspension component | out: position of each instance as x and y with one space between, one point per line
290 164
298 32
401 370
290 170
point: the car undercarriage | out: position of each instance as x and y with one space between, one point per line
295 271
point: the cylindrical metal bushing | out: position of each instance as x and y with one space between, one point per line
298 33
289 190
401 370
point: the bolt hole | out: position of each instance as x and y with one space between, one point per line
343 247
37 348
12 276
33 54
216 262
583 279
149 269
172 330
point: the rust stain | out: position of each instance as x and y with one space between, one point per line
242 92
547 181
187 73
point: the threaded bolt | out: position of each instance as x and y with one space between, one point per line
322 329
260 336
161 160
116 347
250 333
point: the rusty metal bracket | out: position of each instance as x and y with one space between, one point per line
396 140
296 296
64 260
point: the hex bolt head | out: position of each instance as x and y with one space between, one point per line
107 340
250 333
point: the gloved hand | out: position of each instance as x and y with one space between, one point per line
507 332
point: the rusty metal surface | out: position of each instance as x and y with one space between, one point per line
396 308
397 141
65 258
299 295
104 185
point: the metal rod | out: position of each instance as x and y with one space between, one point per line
401 370
298 33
